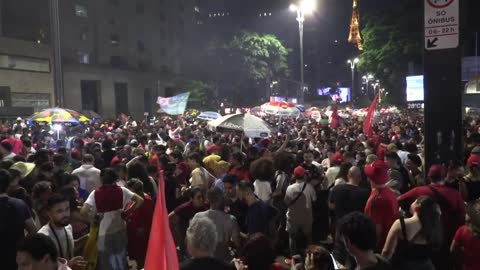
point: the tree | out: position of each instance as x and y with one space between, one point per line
249 61
392 40
201 96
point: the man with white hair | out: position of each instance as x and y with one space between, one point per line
201 244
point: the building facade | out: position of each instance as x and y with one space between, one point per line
117 55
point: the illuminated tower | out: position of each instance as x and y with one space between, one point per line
354 35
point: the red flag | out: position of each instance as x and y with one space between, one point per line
162 252
367 125
335 121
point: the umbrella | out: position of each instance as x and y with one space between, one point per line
280 108
250 125
59 116
209 116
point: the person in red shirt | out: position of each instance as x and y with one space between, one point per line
139 223
466 242
238 166
382 206
451 205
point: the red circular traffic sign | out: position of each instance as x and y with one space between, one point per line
440 3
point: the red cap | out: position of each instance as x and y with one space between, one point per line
338 157
377 172
299 171
215 148
436 172
473 160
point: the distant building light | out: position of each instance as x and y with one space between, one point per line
223 14
214 14
209 15
38 41
270 14
265 14
336 41
197 9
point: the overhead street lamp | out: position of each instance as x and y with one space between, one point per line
304 7
367 79
353 63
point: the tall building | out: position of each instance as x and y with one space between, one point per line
117 55
26 82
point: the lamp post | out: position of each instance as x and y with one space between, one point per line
353 63
367 79
304 7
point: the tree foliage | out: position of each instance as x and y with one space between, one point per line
248 62
200 93
392 40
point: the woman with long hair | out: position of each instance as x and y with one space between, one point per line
411 240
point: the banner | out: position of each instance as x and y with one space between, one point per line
174 105
162 252
367 125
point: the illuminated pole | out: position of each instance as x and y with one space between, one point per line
306 6
353 63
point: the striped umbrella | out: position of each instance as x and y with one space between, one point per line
59 116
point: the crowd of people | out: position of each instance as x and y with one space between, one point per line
307 197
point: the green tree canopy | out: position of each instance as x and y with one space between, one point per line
200 93
248 63
392 40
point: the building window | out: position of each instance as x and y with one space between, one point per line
140 8
114 40
83 57
162 17
81 11
140 46
24 63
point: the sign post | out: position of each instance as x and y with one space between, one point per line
442 81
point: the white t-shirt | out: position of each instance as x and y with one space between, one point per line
112 221
263 190
309 192
331 174
89 177
66 251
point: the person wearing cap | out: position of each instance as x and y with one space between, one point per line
450 202
382 204
18 171
470 184
299 198
466 243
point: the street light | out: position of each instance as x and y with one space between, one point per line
367 79
303 8
353 63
